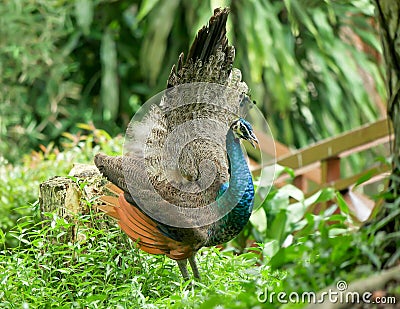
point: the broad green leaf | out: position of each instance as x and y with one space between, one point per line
109 77
364 178
292 191
145 7
155 44
277 228
84 14
344 208
259 220
271 248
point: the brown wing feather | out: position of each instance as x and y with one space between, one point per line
141 228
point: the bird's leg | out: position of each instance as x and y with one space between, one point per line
192 261
182 267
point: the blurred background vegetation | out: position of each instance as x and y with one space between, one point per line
73 73
313 67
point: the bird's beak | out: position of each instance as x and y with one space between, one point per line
253 140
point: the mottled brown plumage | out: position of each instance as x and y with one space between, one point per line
194 178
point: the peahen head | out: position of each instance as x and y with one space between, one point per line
242 129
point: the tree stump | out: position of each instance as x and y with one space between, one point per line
72 196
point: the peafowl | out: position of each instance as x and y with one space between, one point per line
185 184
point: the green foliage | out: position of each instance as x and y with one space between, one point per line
20 183
83 61
317 250
104 270
304 66
62 69
35 74
297 250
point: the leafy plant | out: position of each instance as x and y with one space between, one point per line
317 250
305 62
20 182
104 269
296 250
35 75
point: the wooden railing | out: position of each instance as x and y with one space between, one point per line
318 165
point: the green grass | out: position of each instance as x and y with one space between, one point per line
41 267
104 269
20 182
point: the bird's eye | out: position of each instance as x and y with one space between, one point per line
243 129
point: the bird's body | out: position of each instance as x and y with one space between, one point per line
185 180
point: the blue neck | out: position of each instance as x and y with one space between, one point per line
240 191
240 176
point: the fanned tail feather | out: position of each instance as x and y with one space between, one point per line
211 37
210 58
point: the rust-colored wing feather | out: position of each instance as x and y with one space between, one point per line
141 228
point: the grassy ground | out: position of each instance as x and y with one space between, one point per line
40 267
104 269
